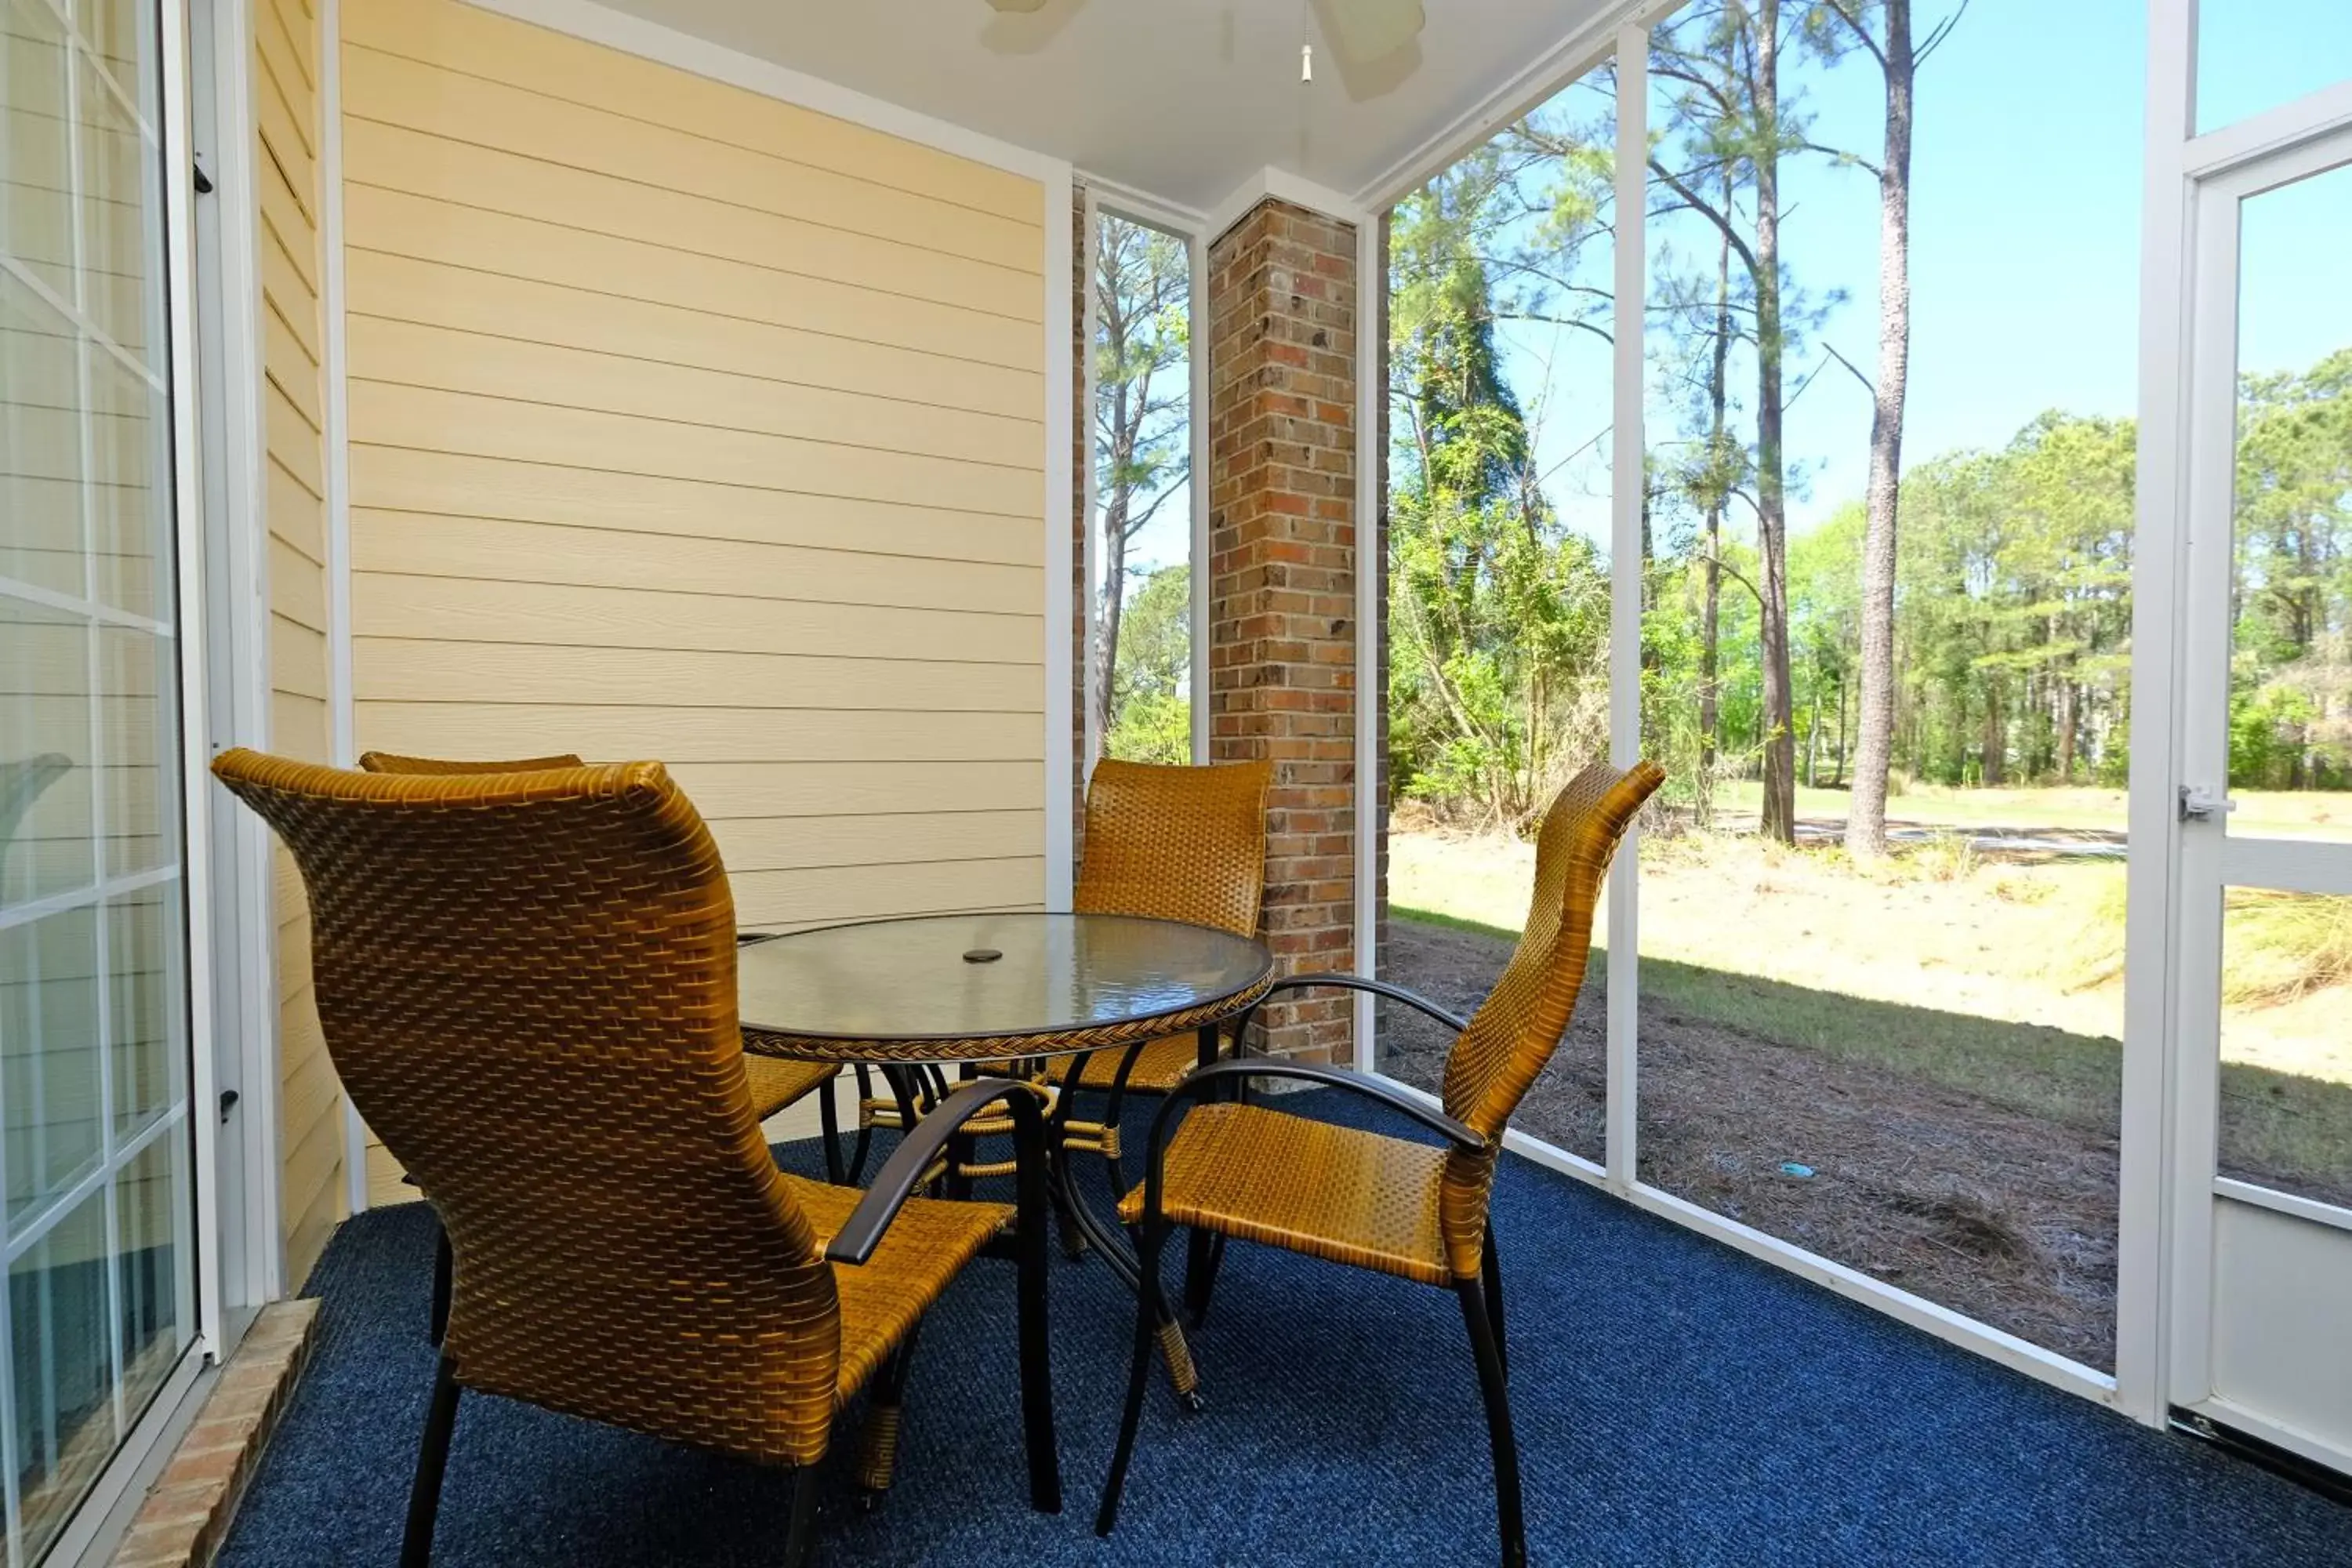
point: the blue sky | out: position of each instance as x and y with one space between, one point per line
2025 239
2026 243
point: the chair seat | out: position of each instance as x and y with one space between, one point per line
1163 1064
884 1297
1336 1192
777 1083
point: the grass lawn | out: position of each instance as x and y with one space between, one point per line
2000 981
2080 808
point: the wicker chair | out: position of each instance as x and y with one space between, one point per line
1166 843
1250 1172
527 983
1171 844
775 1085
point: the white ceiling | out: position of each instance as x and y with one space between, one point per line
1183 100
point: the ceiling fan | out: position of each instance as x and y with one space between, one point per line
1362 30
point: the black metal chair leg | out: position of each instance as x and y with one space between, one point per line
1200 1284
1031 1219
432 1460
829 1122
1072 1235
1138 1374
1494 1387
865 1130
1491 1271
1203 1252
800 1536
444 1266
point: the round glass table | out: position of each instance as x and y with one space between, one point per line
998 991
990 987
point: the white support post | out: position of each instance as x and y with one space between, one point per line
1371 684
342 720
1626 567
178 62
1196 249
1059 414
2142 1325
1088 547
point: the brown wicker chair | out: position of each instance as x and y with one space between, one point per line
776 1085
1174 844
527 983
1166 843
1260 1174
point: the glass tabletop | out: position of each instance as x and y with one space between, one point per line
947 987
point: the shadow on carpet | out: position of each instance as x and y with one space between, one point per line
1677 1402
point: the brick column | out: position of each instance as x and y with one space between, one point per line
1282 583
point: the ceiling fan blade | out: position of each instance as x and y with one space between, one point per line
1368 30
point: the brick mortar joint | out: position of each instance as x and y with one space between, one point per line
185 1516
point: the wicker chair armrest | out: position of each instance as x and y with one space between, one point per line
1412 999
1363 1085
1199 1082
921 1148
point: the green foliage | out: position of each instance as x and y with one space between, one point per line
1498 615
1151 705
2013 635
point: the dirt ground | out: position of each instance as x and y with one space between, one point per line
2006 1216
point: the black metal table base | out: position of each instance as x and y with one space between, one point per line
912 1086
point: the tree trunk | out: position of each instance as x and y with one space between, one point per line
2070 707
1710 613
1110 604
1813 736
1995 740
1780 755
1839 781
1865 831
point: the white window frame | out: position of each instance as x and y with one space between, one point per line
1100 197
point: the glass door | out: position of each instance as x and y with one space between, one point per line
2263 1215
96 1196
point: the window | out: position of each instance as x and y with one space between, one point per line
1880 899
1141 597
95 1142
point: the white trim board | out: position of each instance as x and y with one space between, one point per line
1061 417
1628 464
341 721
651 40
1271 183
1142 206
1540 78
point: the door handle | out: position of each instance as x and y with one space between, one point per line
2203 804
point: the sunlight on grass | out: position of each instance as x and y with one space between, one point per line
1998 979
2284 946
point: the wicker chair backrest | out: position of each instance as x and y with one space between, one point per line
527 984
394 762
1176 843
1516 1030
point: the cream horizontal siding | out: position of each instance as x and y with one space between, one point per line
688 423
314 1197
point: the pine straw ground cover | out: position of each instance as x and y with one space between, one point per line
1892 1033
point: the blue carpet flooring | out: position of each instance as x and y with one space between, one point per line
1678 1402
